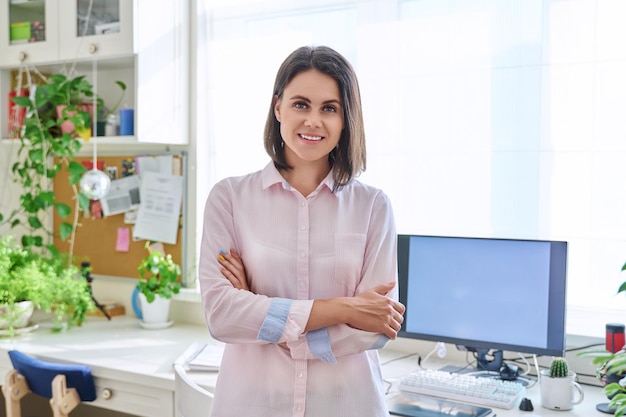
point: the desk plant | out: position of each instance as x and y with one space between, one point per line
610 371
158 283
558 368
558 387
159 275
44 283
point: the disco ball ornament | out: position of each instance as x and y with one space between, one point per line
95 184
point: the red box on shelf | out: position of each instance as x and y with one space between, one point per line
16 114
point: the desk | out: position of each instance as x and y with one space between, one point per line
393 371
135 364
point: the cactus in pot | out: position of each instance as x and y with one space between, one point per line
559 368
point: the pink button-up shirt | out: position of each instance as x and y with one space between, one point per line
295 250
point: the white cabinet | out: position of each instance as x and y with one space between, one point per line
144 43
97 28
46 31
28 30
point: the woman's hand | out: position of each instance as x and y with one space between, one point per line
374 311
233 269
371 311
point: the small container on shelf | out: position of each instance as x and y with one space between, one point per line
127 122
112 125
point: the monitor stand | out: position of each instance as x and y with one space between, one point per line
490 363
489 360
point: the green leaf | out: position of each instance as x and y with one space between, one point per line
22 101
83 200
36 155
34 222
54 251
41 96
76 171
46 198
63 209
617 364
65 229
32 241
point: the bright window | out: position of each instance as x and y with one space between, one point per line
483 117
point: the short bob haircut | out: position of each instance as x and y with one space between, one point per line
348 158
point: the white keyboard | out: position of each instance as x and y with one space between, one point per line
485 391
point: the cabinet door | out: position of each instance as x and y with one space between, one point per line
28 32
95 29
162 72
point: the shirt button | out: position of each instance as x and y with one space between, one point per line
303 228
300 374
302 254
302 204
302 284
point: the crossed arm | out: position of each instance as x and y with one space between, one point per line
371 310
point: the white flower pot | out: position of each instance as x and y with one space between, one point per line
560 393
157 311
17 315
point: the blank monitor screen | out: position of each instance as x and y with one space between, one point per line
480 293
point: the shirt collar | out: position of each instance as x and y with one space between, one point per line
271 176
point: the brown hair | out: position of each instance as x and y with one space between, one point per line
348 158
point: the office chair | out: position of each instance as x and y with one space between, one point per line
191 399
64 384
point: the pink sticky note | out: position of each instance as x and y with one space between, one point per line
123 239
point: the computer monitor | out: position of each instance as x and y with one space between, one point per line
484 295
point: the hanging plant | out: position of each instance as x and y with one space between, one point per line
46 147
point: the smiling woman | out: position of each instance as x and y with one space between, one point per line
298 260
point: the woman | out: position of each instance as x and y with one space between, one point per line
298 260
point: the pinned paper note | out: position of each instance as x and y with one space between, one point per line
159 211
123 239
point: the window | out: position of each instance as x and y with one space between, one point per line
483 118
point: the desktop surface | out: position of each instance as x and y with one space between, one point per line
136 366
132 366
396 365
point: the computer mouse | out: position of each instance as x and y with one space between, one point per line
509 371
526 405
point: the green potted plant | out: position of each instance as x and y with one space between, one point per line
45 149
558 387
159 281
610 372
105 113
42 282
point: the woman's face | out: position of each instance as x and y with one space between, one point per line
310 116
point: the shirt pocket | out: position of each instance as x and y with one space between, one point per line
349 255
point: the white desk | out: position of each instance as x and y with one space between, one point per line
136 365
393 371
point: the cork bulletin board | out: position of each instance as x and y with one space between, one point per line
97 236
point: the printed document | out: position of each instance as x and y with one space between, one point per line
159 211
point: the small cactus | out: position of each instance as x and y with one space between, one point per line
558 368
